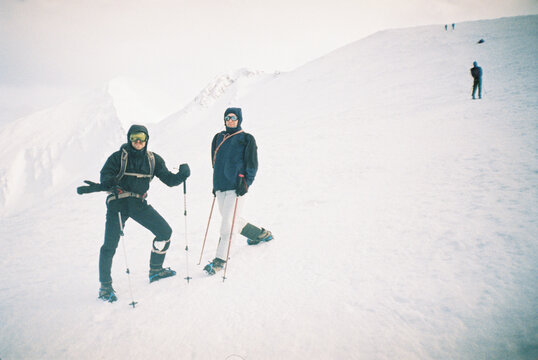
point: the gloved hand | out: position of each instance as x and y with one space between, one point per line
242 187
91 187
213 192
184 172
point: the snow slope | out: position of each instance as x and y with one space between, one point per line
405 218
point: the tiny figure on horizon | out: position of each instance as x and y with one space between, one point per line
453 25
446 27
476 73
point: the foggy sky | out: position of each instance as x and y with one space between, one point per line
180 45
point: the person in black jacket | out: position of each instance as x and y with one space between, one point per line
235 163
476 73
126 175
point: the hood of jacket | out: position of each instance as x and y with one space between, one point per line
136 129
239 114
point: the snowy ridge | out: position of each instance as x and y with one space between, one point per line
404 216
220 85
226 88
47 148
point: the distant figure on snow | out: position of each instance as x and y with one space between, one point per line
476 73
453 25
446 27
234 156
126 176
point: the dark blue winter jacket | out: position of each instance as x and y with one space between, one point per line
233 153
476 72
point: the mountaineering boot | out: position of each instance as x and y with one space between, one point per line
160 273
214 266
107 293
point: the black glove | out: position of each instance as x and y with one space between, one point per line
242 187
184 172
91 187
213 192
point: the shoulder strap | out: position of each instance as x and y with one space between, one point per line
151 158
226 137
123 165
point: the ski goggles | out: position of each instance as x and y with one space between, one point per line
231 117
142 137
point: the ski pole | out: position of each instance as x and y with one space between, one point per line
133 303
230 241
207 229
188 278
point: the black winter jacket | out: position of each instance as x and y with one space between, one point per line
476 72
137 162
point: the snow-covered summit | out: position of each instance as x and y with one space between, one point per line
220 85
225 89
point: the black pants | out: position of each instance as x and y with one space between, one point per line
143 214
477 84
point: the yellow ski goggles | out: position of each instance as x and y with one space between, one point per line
140 136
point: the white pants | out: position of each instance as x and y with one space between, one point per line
226 200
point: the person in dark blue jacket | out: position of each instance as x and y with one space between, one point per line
476 73
126 175
235 163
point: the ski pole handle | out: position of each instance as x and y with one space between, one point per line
185 186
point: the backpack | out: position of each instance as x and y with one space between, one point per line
123 166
